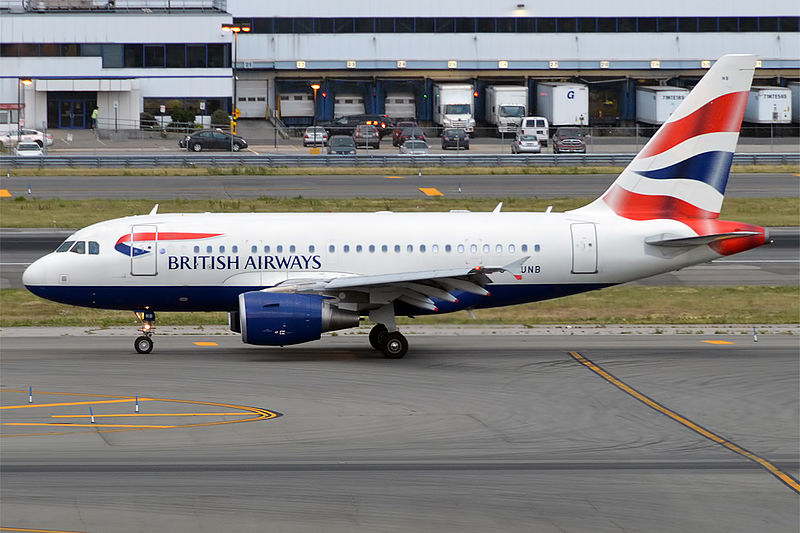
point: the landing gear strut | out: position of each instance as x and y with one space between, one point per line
144 343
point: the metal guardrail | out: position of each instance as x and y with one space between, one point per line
361 160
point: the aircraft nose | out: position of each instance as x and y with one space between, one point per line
36 273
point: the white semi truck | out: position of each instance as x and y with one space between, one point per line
654 105
563 104
454 106
506 105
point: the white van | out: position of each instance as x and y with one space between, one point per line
535 126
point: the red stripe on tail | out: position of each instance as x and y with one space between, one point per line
636 206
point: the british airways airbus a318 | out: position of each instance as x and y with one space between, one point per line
286 278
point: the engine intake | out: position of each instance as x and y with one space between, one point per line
276 319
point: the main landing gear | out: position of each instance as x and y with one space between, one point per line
384 336
144 343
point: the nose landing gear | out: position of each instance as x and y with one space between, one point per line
144 343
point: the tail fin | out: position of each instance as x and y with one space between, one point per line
683 170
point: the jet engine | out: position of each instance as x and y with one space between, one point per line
279 319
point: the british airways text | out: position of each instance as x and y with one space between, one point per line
235 262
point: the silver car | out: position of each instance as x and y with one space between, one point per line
414 147
315 136
525 144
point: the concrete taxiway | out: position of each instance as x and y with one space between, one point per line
472 431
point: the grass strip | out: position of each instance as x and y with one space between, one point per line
23 212
356 171
625 304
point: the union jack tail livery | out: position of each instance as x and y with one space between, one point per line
683 170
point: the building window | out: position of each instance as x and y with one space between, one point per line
154 56
133 56
196 55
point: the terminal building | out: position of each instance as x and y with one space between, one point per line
59 59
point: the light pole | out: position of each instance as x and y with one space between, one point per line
316 87
235 28
20 83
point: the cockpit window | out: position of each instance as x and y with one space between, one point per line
65 246
94 248
79 248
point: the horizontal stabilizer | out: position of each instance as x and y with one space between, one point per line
671 240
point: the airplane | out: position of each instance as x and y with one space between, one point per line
285 278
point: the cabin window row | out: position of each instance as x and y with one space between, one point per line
383 248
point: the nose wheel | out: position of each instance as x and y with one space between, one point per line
144 343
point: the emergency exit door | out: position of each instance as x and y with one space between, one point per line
144 250
584 248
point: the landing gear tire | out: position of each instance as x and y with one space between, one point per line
143 344
375 336
395 345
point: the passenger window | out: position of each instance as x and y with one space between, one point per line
435 248
266 249
473 248
234 249
486 248
359 248
448 248
279 249
397 248
346 248
461 248
94 248
410 248
422 248
253 249
536 248
331 248
372 248
292 248
222 249
524 247
79 248
311 248
511 248
197 249
498 249
209 249
384 248
65 246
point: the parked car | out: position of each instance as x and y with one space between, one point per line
570 140
28 149
27 135
367 135
411 133
341 144
538 126
414 147
315 135
346 125
212 140
455 138
525 144
398 129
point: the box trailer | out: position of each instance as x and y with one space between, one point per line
654 105
769 105
400 106
506 105
454 106
795 88
563 104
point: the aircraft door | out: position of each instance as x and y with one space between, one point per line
584 248
144 250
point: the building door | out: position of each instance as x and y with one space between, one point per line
70 110
584 248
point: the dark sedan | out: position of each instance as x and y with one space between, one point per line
411 133
398 129
212 140
455 138
342 145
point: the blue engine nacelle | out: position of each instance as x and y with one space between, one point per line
277 319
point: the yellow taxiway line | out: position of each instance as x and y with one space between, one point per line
782 476
430 191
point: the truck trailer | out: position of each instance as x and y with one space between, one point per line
563 104
454 106
795 88
506 105
769 105
654 105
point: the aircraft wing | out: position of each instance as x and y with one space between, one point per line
413 287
